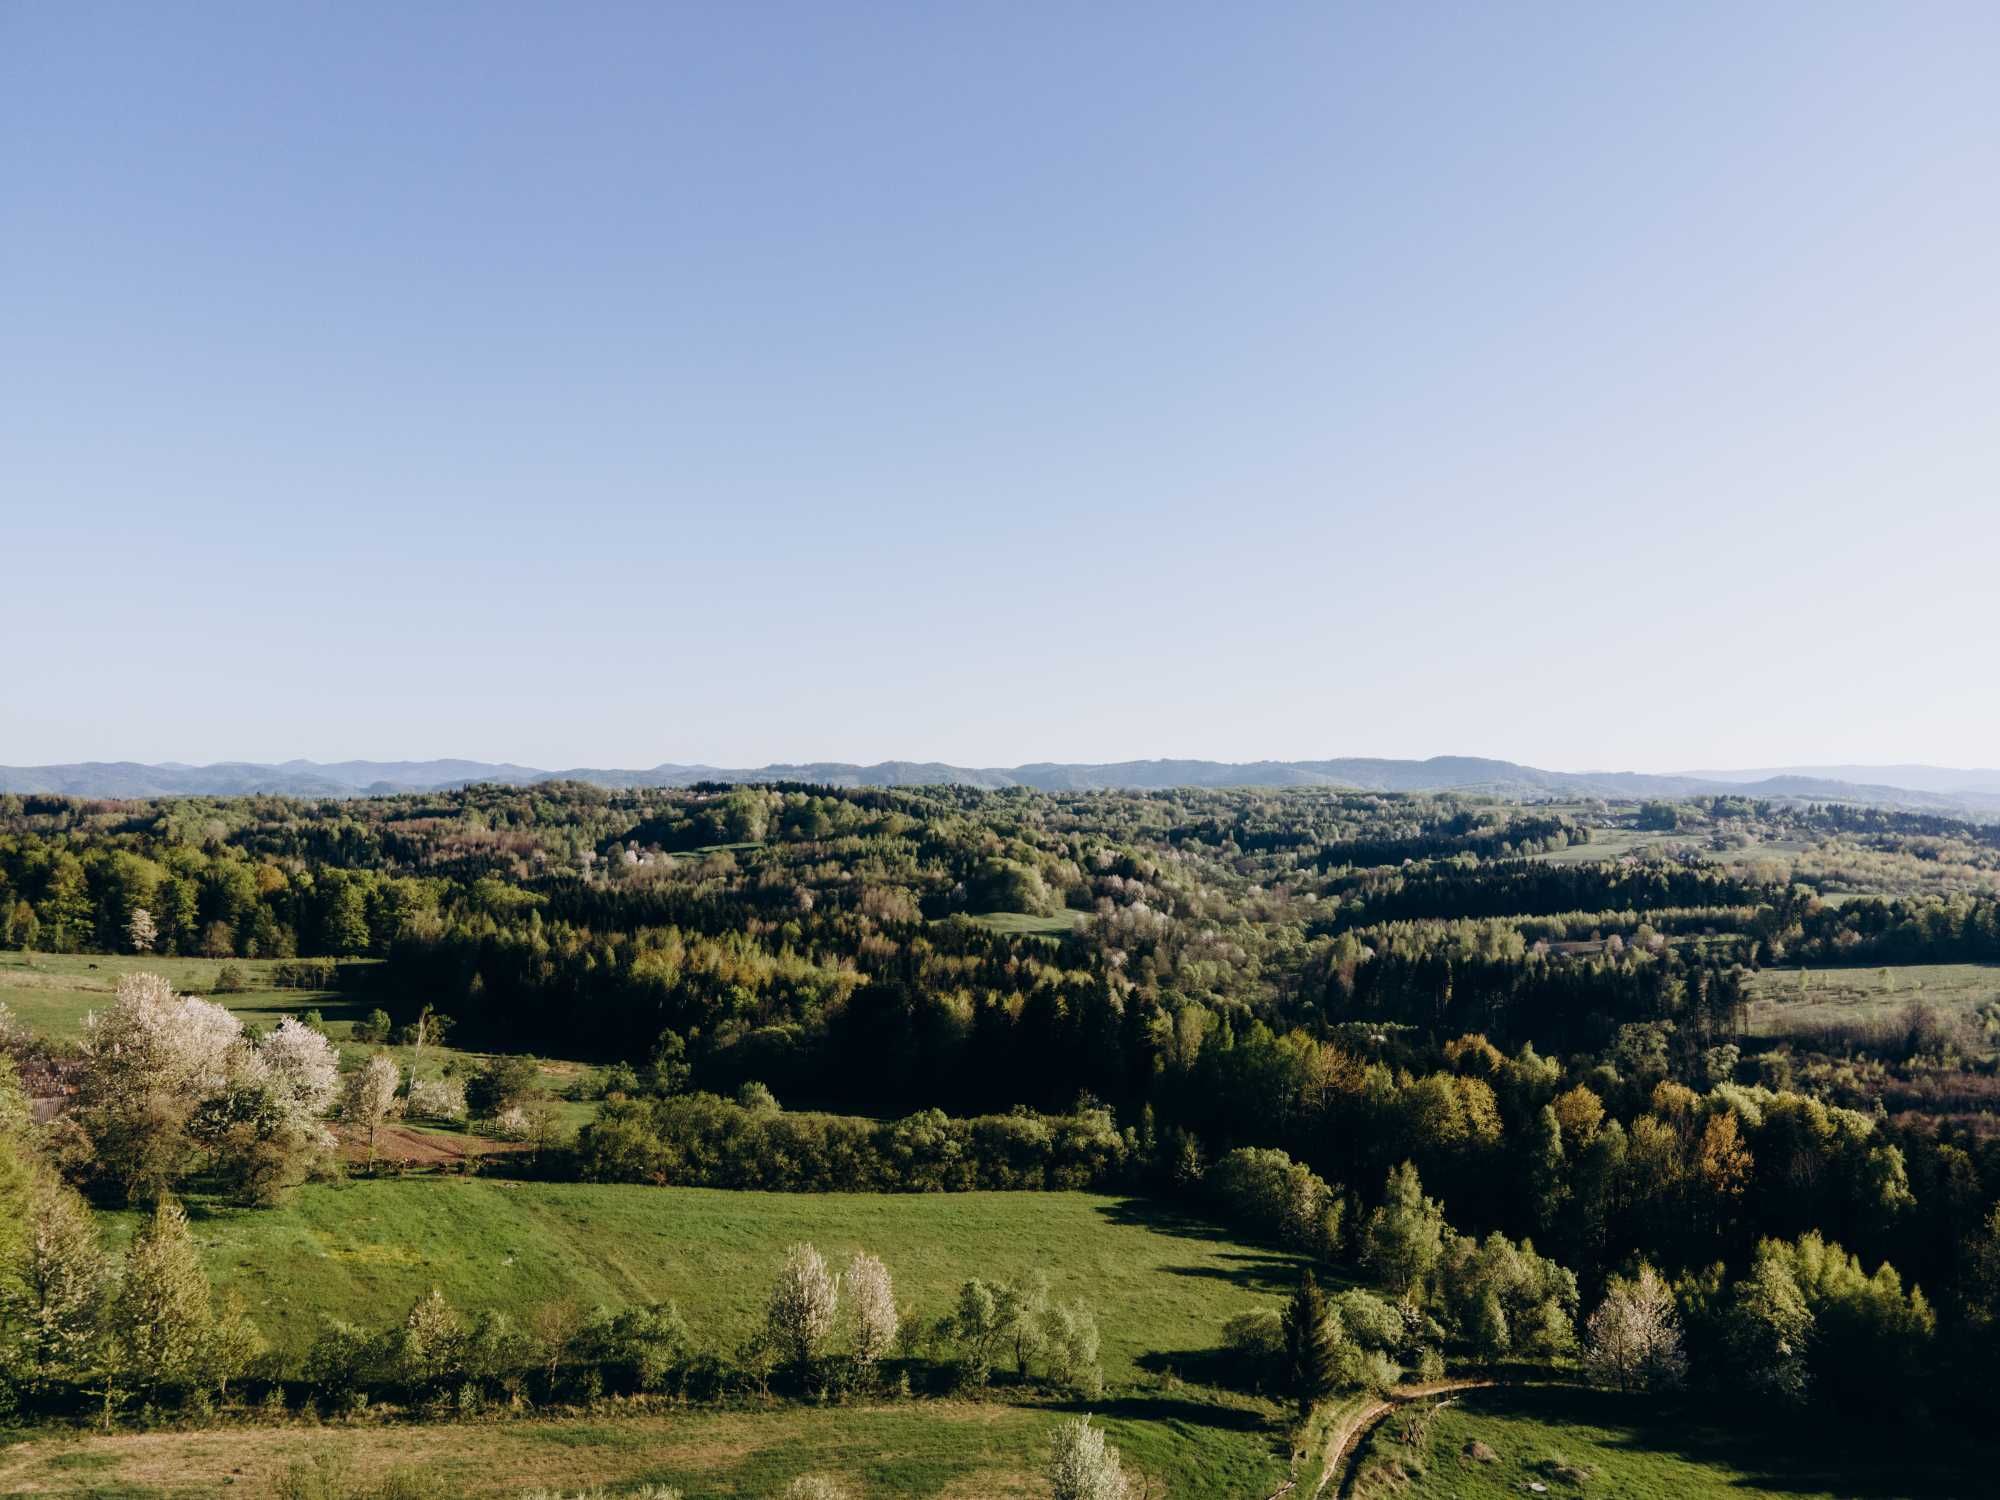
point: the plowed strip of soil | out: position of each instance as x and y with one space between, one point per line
410 1147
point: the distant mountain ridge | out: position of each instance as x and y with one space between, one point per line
1939 789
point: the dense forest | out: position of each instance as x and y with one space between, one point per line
1373 1026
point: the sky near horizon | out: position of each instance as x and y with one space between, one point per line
1591 386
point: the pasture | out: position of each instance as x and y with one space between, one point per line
365 1250
1160 1283
1786 1002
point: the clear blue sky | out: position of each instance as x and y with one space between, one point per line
1592 385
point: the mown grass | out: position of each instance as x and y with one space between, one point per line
1636 1448
1160 1283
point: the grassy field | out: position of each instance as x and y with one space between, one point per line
1783 1001
1613 1447
926 1450
1161 1284
1026 924
1607 843
51 993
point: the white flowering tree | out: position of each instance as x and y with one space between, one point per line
370 1095
804 1304
304 1069
267 1130
1633 1340
871 1300
1082 1465
150 1062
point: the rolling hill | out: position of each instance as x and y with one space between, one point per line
1963 793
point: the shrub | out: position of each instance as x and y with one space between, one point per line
501 1084
435 1099
758 1099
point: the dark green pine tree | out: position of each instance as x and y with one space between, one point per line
1309 1350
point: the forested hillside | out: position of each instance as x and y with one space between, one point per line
1509 1061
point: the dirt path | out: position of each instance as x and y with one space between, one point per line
1343 1444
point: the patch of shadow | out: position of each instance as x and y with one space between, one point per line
1164 1218
1256 1273
1160 1408
1223 1369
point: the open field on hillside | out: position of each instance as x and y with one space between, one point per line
924 1450
51 993
1160 1283
1027 924
1613 1447
1606 843
1785 1001
1653 843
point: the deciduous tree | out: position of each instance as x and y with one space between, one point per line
1083 1466
804 1304
871 1298
1633 1339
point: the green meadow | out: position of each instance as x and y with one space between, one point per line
364 1250
52 992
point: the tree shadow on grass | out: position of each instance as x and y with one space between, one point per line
1170 1219
1220 1369
1184 1410
1164 1218
1273 1274
1863 1461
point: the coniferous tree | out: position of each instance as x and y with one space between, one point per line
1311 1358
163 1315
59 1300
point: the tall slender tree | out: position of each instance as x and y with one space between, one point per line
1311 1359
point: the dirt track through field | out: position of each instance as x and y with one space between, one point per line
1343 1444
